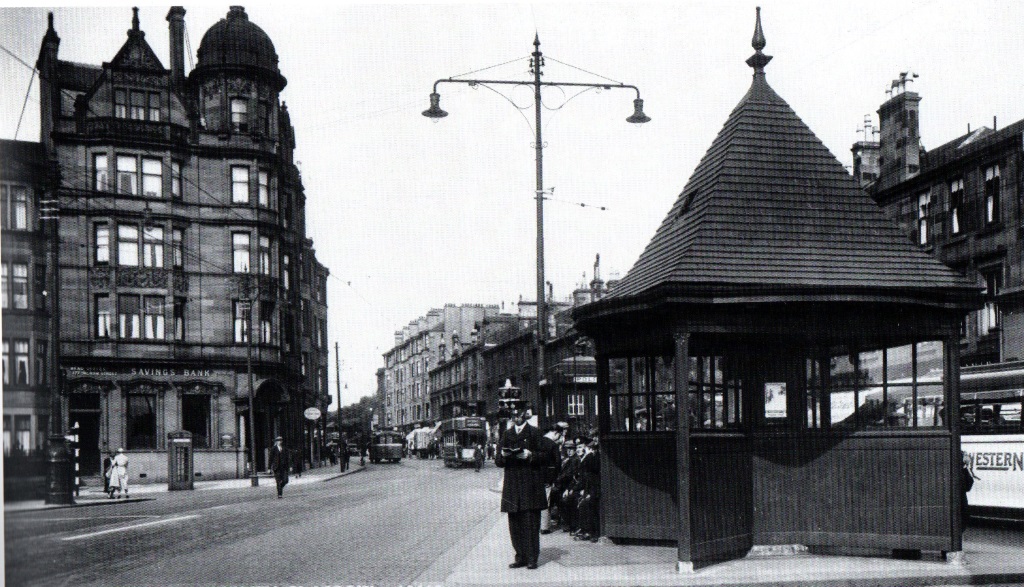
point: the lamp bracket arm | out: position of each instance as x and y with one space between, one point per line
473 82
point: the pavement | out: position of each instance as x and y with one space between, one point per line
564 561
93 496
988 559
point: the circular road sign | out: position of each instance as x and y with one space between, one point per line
312 413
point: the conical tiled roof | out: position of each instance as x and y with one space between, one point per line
769 208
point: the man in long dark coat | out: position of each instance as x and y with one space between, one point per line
343 452
521 454
280 463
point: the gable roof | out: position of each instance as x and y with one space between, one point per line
769 208
136 52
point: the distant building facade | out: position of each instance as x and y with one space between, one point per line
964 203
419 347
183 249
26 324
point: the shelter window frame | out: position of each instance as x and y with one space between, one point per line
886 387
716 393
641 397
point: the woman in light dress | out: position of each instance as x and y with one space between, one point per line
119 474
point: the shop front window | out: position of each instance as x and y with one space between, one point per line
141 421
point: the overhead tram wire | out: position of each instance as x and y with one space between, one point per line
406 105
24 104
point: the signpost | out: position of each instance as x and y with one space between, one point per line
312 414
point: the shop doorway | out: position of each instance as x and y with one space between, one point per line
84 409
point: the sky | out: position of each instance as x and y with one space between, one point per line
409 214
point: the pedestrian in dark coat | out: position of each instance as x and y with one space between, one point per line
589 485
280 463
551 444
521 454
560 498
107 464
343 447
966 482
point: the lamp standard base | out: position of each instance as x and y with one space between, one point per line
58 472
254 480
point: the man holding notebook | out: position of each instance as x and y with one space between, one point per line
520 453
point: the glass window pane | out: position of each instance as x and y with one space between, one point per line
930 406
618 409
665 412
141 421
127 180
843 377
102 243
240 185
195 417
617 381
639 375
641 414
930 362
899 410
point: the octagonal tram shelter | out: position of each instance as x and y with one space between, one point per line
780 365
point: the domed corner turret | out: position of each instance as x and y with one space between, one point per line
234 42
237 79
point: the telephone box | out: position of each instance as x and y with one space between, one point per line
179 460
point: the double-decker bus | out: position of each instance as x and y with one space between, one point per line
463 440
992 440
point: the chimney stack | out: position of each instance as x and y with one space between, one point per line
176 18
899 139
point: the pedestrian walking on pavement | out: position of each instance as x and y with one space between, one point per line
107 463
280 462
522 456
343 453
119 474
478 457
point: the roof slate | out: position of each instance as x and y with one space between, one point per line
770 206
77 77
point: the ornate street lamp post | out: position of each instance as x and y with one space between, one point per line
536 65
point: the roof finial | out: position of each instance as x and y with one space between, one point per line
135 18
49 20
758 41
758 60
